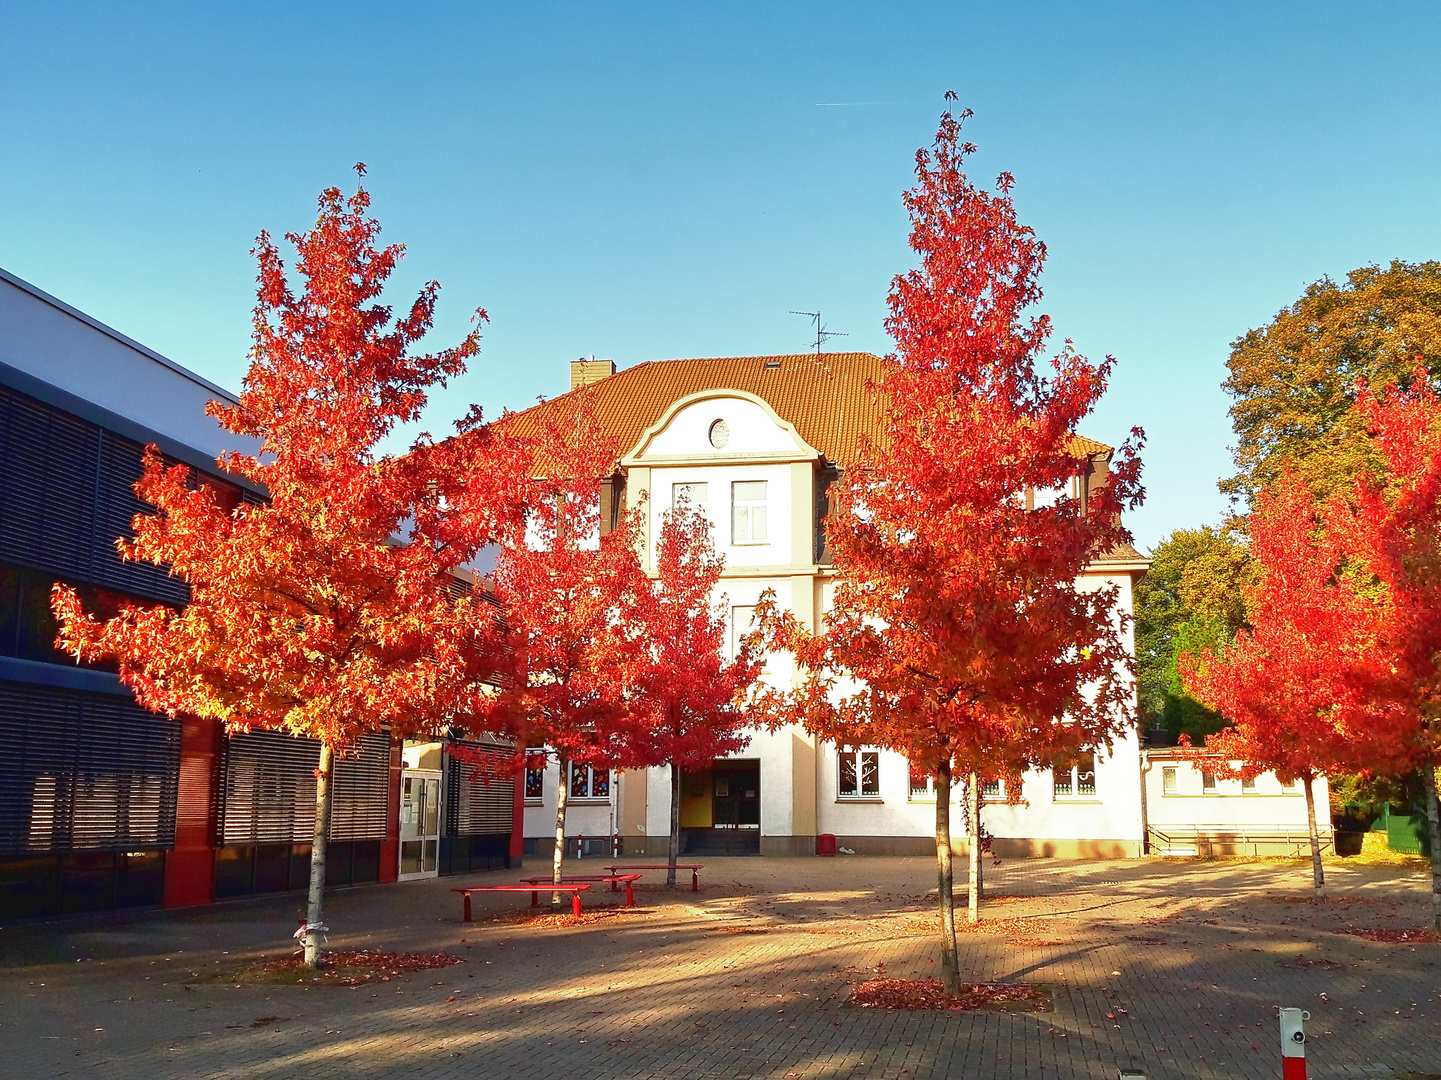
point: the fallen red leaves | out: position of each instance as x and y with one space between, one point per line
930 994
1396 937
539 917
350 967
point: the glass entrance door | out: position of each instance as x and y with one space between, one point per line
419 823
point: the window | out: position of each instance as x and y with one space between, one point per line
743 618
1168 781
748 512
858 774
1248 783
695 494
719 434
535 777
1208 780
923 784
991 789
1077 778
588 783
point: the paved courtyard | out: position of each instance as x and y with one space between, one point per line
1175 969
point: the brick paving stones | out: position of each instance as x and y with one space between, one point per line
1173 968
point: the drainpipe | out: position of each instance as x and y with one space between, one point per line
1144 766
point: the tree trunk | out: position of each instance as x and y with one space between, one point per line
950 965
973 832
315 902
1318 873
1433 821
674 848
562 798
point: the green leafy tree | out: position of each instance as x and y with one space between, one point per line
1192 598
1293 382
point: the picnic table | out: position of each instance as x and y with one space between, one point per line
615 881
574 889
694 868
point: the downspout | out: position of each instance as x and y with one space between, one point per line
1144 766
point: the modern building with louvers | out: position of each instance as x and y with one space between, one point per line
103 804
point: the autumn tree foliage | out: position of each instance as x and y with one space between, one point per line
691 695
308 613
1293 382
571 600
1297 686
960 635
1395 533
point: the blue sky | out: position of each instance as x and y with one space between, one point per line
653 181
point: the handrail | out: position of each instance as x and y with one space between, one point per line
1210 837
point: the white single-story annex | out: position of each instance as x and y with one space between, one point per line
756 442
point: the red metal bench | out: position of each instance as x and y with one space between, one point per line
615 880
694 868
574 890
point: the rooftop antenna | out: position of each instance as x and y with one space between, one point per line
821 332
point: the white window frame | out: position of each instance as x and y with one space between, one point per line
1069 789
538 773
1208 782
590 775
990 789
858 758
696 493
744 535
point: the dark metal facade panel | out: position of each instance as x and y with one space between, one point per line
479 800
84 772
267 790
67 494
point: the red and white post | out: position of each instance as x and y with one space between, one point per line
1293 1044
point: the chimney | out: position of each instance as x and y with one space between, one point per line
584 372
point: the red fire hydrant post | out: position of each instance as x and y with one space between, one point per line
1293 1044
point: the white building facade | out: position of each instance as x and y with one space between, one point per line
755 442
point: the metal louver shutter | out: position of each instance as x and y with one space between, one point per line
121 463
360 808
268 790
84 772
47 486
478 804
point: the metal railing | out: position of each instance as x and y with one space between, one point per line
1204 840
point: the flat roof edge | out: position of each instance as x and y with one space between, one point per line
110 331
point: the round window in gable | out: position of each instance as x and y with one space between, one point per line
720 434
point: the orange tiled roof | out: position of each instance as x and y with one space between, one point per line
825 396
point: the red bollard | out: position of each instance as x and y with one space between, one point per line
1293 1044
615 846
580 846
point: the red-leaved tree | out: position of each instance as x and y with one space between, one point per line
307 612
572 601
1396 534
690 696
960 634
1297 689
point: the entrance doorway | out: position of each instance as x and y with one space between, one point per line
736 794
721 808
419 823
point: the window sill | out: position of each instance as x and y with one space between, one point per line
861 799
575 801
534 802
1078 800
